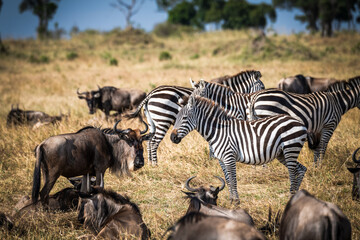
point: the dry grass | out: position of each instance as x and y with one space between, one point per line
51 87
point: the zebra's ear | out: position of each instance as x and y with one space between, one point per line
202 83
193 84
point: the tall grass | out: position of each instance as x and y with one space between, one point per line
51 87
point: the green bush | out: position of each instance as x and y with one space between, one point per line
39 59
195 56
165 56
168 29
356 48
113 61
71 55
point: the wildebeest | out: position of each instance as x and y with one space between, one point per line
356 172
18 116
112 98
110 215
197 225
303 85
89 151
203 199
306 217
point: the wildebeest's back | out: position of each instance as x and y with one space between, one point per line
306 217
76 154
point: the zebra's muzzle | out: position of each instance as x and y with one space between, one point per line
174 138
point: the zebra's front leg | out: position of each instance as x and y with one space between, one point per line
230 165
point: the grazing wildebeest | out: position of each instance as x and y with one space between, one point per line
203 199
303 85
197 225
17 116
90 151
356 172
112 98
306 217
110 215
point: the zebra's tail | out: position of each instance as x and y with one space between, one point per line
138 109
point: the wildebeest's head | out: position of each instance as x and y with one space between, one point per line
92 99
204 194
134 139
356 172
106 207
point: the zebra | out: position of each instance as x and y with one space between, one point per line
251 142
320 112
163 103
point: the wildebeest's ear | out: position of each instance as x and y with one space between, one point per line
147 137
353 170
97 95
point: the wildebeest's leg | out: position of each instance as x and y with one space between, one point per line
100 179
50 180
85 183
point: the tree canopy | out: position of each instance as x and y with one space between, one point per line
44 10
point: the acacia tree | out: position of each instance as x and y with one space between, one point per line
128 9
44 10
321 12
2 47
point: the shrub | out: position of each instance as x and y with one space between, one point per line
195 56
39 59
71 55
113 61
356 48
167 29
164 56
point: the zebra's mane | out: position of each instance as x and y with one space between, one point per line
256 74
209 105
345 84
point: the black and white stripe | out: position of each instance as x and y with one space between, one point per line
250 142
163 103
319 111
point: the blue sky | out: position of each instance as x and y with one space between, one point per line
99 15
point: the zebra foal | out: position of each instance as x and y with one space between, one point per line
320 112
163 103
250 142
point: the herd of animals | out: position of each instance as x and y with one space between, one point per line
242 122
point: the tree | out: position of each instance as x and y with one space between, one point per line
323 13
128 9
183 13
2 47
44 10
241 14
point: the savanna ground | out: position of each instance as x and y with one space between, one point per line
43 76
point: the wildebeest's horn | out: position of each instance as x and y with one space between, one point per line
354 156
99 88
222 181
79 93
187 185
146 127
119 131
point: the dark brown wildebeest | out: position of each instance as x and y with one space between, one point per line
17 116
356 172
306 217
90 151
109 215
196 225
303 85
203 199
112 98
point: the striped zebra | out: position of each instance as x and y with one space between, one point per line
319 111
163 103
250 142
